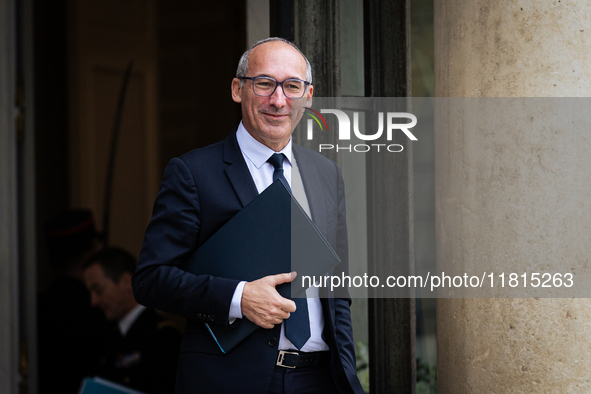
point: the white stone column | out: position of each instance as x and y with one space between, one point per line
513 200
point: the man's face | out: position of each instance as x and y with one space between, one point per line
112 298
271 120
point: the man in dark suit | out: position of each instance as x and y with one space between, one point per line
141 351
199 193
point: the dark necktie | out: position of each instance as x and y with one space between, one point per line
277 161
297 327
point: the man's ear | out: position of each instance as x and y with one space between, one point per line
125 279
236 90
309 96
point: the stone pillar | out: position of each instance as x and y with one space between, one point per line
513 200
9 289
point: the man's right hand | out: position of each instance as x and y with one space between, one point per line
263 305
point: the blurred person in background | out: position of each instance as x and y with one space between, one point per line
142 351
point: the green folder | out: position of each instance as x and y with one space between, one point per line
99 385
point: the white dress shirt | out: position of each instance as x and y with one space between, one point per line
256 155
126 323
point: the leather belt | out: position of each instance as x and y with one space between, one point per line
295 359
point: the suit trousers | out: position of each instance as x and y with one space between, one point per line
313 380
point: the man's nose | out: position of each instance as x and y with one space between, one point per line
278 98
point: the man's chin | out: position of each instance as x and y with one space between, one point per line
278 123
279 130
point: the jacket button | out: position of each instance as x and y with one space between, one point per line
199 316
211 318
272 341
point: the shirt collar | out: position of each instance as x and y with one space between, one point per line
255 151
126 323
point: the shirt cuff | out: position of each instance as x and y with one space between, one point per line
235 306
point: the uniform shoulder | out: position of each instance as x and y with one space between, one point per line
156 322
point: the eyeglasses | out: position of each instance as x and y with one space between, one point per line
265 86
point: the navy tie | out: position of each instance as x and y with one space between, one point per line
277 161
297 327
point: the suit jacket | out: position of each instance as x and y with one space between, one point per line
200 192
145 358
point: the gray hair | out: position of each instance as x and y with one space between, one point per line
243 63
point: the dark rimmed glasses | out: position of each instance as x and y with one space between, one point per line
266 86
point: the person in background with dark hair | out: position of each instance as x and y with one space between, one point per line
142 351
70 331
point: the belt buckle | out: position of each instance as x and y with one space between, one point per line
281 357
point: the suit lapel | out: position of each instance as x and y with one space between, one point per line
237 171
313 189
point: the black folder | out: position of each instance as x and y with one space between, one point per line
271 235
